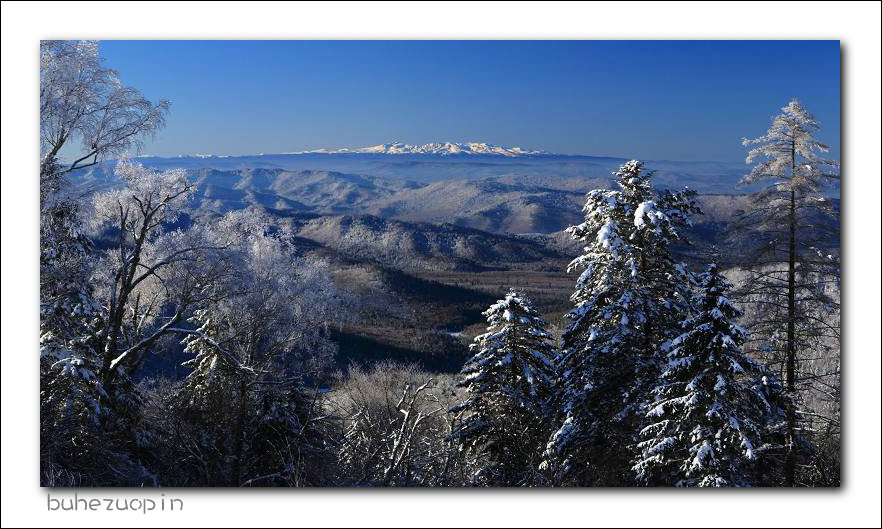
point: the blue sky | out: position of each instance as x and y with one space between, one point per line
678 100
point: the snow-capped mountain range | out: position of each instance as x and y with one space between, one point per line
443 149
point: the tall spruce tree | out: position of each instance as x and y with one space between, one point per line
706 423
628 301
791 292
509 381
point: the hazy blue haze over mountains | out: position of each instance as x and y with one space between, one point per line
707 177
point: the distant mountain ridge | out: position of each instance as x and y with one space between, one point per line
491 192
539 170
440 148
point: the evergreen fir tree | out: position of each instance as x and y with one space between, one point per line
508 380
70 392
706 423
628 300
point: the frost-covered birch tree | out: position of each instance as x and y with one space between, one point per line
629 298
262 336
83 101
154 273
114 308
509 382
705 425
791 292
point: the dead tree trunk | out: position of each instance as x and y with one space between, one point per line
790 464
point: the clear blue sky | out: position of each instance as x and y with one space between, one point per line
679 100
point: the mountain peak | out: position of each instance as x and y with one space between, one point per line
440 148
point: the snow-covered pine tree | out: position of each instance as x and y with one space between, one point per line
70 392
628 300
509 381
791 292
706 423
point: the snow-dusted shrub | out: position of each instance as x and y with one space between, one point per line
393 424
